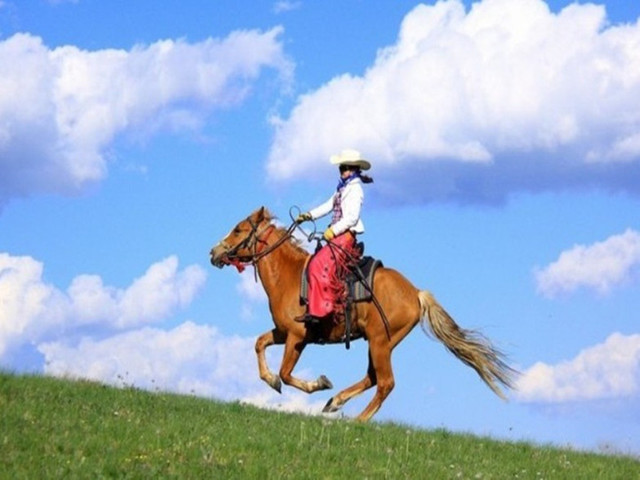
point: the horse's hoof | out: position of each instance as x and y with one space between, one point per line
324 383
330 407
276 384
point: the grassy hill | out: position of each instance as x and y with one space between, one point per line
52 428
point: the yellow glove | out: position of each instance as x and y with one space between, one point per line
303 217
328 234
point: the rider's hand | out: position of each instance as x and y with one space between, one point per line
328 234
303 217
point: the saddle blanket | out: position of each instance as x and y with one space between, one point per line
366 269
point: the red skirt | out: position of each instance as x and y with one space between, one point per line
325 274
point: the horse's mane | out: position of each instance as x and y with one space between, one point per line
293 242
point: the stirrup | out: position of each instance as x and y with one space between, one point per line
307 318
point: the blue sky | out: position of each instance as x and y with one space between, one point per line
505 142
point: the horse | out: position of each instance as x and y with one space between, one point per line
279 260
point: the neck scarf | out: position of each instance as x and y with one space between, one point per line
344 181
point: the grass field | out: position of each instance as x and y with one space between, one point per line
52 428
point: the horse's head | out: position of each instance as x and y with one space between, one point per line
240 244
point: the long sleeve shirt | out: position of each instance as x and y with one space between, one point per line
351 199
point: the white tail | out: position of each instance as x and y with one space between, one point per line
469 346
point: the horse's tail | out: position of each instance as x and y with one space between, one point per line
469 346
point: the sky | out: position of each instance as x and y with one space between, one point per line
505 142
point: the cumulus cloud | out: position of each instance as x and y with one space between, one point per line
606 371
115 335
189 359
473 105
252 293
61 109
34 310
250 288
600 266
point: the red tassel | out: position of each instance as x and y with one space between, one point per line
238 264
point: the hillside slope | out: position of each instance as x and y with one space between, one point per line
53 428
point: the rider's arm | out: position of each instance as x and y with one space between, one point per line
322 210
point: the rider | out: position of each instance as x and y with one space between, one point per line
324 284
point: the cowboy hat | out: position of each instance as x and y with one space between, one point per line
351 158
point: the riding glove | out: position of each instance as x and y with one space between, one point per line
328 234
303 217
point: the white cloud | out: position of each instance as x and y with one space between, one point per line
103 333
472 105
189 359
33 310
26 300
283 6
250 288
60 109
162 289
600 266
606 371
252 293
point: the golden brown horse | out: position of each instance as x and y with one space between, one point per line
279 261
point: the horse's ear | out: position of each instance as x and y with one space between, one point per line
260 214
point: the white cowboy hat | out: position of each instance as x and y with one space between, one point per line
352 158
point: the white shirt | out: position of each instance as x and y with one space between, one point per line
350 204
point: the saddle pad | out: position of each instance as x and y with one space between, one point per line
367 266
367 269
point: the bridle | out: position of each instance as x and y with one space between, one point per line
253 241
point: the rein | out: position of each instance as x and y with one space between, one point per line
258 255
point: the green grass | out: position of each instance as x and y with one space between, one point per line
52 428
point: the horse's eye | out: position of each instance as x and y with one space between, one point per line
236 230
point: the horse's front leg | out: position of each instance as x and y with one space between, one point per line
272 337
293 347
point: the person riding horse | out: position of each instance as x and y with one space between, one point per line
327 266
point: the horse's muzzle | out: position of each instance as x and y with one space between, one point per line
218 257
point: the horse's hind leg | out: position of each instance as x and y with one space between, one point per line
265 340
380 357
292 350
336 402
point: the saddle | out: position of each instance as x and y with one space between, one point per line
359 280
